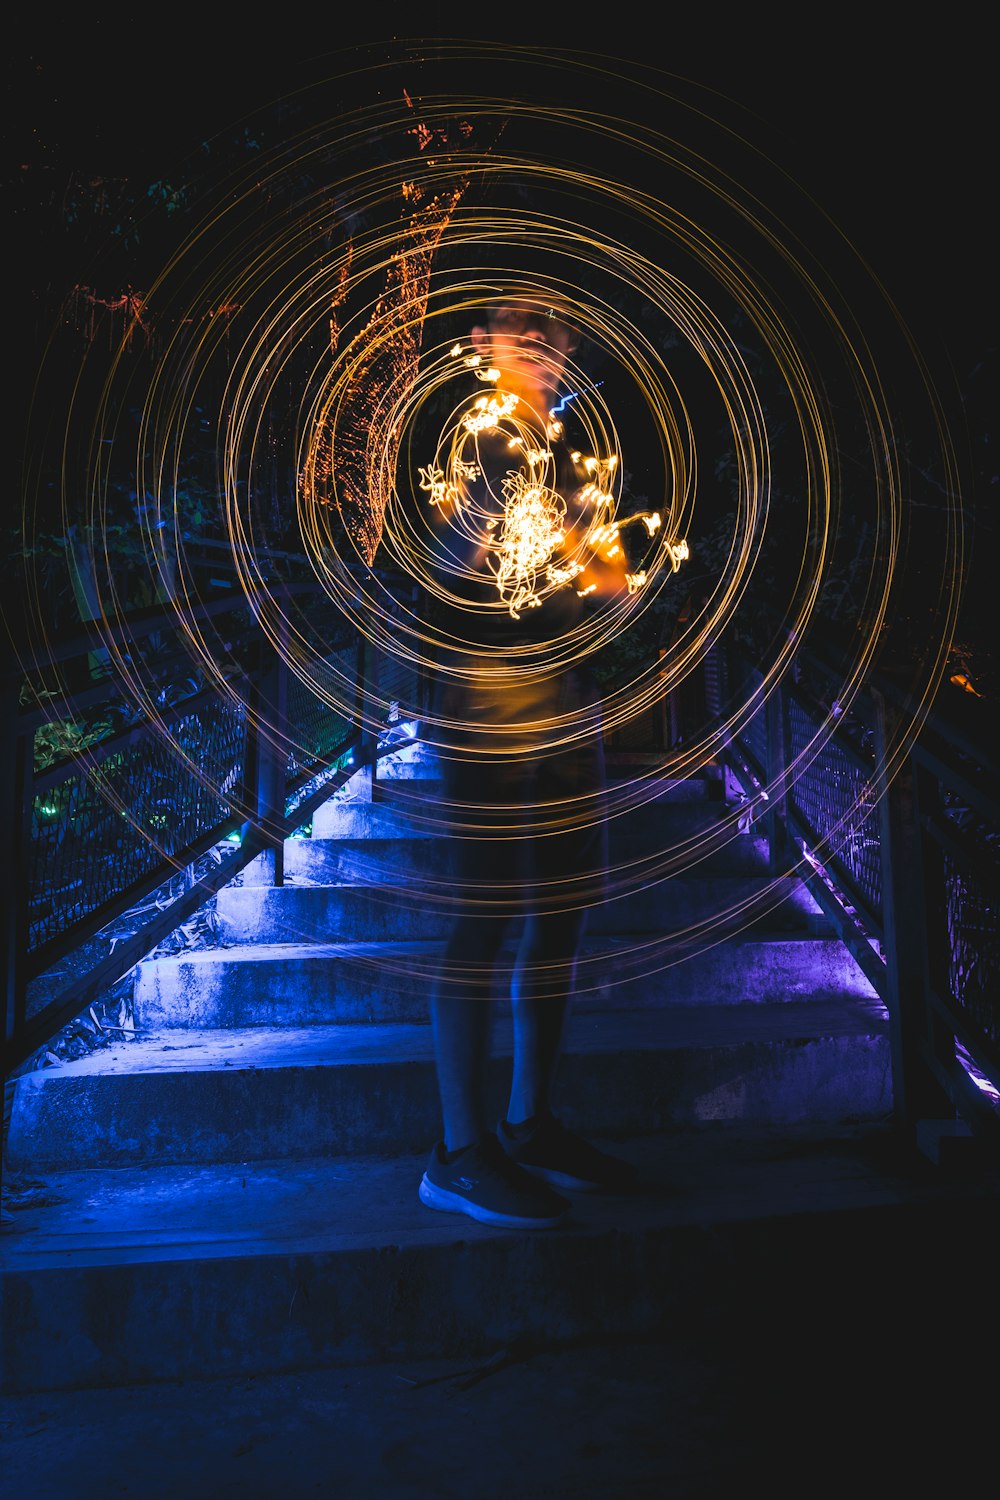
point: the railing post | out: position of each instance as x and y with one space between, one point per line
917 1095
11 866
716 675
251 758
16 770
683 709
778 735
271 760
18 775
422 676
367 757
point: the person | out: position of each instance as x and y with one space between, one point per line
524 554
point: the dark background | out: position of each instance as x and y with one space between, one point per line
893 132
889 129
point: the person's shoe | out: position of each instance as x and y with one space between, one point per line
483 1182
558 1156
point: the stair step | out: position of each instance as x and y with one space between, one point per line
354 912
234 1191
625 783
696 848
300 984
232 1095
421 806
185 1272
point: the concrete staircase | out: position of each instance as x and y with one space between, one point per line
235 1191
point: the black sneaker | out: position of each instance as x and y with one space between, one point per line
483 1182
556 1155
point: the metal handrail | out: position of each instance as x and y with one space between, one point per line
896 932
264 809
903 935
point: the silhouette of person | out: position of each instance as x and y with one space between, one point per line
524 552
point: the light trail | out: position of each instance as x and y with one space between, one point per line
747 342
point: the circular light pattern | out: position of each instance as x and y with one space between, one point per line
740 345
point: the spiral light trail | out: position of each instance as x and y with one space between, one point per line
340 338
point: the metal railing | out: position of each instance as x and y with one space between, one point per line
905 865
899 843
229 765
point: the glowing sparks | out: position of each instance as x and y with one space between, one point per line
530 531
601 470
489 411
354 419
366 300
432 480
559 576
604 540
591 495
518 522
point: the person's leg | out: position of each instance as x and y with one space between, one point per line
541 991
460 1016
482 869
568 857
567 854
470 1171
532 1134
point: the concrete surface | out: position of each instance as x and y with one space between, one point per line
796 1308
296 983
785 1400
125 1275
200 1095
383 912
